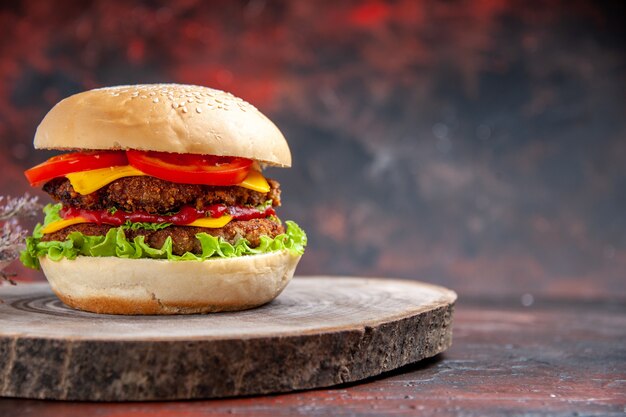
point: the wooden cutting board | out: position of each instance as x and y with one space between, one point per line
319 332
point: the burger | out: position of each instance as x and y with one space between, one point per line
162 204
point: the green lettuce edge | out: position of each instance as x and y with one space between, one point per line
115 243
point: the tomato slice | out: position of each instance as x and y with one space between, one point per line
191 168
60 165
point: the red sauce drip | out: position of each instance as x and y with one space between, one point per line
185 216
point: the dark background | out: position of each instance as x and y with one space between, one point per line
479 145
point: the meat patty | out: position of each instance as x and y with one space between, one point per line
183 237
157 196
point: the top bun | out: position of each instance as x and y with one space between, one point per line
163 117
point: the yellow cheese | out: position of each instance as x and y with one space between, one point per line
255 181
209 222
212 223
62 224
86 182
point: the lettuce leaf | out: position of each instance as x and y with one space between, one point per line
144 225
115 243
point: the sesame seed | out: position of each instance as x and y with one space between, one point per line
155 100
184 109
198 110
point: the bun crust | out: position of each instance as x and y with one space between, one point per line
112 285
163 117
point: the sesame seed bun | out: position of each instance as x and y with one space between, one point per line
113 285
163 117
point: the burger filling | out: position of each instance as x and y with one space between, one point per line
143 216
156 200
158 196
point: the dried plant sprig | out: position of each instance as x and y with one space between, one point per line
25 206
6 276
11 243
12 234
11 240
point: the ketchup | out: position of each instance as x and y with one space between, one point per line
185 216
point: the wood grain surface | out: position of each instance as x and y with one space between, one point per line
558 357
320 332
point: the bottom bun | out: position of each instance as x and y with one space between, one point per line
112 285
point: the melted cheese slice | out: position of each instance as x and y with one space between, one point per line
208 222
255 181
62 224
86 182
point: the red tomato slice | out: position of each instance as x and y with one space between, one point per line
190 168
60 165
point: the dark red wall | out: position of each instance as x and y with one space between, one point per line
476 144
